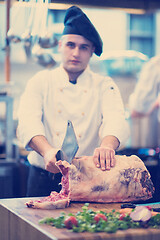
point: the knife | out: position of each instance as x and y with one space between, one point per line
70 145
154 206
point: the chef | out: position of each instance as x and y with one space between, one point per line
146 96
70 92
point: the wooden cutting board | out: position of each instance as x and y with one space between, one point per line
17 222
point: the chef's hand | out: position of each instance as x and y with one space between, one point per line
104 158
50 160
155 105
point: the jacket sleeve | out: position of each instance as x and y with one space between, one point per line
30 112
146 90
113 113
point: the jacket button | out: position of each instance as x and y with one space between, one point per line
82 113
61 89
79 136
57 133
59 111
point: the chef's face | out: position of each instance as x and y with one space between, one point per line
76 52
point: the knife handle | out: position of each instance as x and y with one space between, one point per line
59 155
128 205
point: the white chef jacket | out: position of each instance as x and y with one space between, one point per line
93 104
147 88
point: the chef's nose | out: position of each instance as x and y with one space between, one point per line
76 51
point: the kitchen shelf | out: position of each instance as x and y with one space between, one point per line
9 125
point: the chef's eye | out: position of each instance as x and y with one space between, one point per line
70 44
84 47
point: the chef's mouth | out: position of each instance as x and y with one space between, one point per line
74 61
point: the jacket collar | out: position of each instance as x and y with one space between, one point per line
82 80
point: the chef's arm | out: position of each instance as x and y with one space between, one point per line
154 106
40 145
104 156
136 114
110 142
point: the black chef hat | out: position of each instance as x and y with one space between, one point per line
76 22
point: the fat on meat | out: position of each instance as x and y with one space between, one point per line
128 181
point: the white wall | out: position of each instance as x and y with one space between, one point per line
157 47
111 25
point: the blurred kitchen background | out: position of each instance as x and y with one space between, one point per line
29 33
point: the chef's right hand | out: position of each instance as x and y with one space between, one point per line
50 160
104 158
155 105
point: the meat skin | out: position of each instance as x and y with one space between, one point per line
128 181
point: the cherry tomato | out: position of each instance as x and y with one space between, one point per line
149 208
70 221
99 216
122 216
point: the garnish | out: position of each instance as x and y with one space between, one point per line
88 220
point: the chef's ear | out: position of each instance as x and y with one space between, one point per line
92 51
59 45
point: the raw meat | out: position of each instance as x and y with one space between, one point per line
128 181
54 201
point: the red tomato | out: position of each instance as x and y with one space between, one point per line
99 216
122 216
70 221
149 208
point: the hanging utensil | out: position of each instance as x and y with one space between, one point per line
40 13
41 55
46 60
38 18
47 41
46 37
12 35
26 36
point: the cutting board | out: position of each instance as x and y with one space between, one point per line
17 222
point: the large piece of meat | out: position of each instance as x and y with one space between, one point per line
128 181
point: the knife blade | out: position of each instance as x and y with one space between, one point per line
70 145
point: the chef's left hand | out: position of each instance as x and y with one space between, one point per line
104 158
